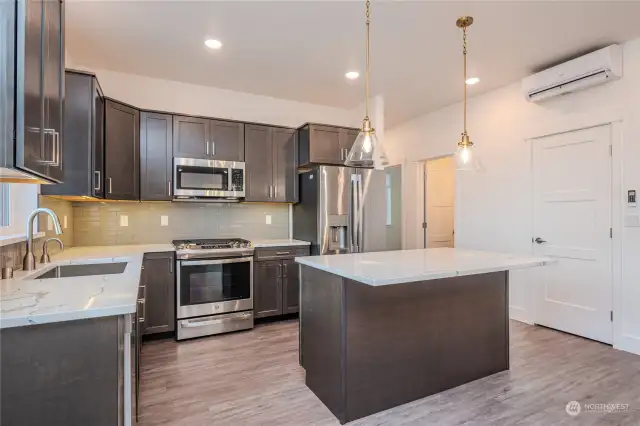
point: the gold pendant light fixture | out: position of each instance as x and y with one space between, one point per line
367 150
466 157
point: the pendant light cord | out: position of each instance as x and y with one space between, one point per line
366 83
464 61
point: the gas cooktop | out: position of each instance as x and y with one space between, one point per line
214 247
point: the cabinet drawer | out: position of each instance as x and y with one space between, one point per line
271 253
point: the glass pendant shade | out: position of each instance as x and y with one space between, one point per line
466 157
367 151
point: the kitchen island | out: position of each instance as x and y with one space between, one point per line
382 329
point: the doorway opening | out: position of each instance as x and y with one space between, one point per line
439 199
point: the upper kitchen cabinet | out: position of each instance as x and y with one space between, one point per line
83 153
195 137
122 151
31 90
271 165
156 152
321 144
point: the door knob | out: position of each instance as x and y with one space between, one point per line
540 240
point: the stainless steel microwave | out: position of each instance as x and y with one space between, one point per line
208 180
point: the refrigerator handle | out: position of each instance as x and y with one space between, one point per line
353 219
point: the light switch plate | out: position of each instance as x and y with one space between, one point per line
164 220
267 219
124 220
632 221
64 222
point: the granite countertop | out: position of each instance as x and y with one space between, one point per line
396 267
278 243
25 301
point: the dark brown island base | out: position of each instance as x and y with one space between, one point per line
368 347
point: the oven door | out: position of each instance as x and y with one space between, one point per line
214 286
208 178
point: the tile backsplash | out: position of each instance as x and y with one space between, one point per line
142 223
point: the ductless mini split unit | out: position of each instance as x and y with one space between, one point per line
599 67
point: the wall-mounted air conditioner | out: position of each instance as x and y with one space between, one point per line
595 68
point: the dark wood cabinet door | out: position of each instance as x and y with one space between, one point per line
290 287
191 137
30 90
259 163
285 169
98 140
347 138
122 151
160 293
226 140
155 156
53 88
267 289
324 145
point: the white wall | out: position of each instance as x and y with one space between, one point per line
174 96
494 208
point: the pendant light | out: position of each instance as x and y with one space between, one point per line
466 157
367 150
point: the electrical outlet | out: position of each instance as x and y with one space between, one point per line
124 220
164 220
267 219
49 223
64 222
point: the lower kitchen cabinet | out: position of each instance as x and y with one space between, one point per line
276 281
158 279
267 289
290 287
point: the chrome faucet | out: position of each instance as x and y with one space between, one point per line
29 261
45 254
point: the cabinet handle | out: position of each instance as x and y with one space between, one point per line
342 153
280 271
280 253
270 191
206 148
169 185
171 266
285 270
99 184
110 185
213 148
144 308
275 191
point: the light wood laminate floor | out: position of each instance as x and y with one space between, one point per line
253 378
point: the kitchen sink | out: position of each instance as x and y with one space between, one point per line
83 270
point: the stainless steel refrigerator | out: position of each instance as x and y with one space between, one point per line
341 210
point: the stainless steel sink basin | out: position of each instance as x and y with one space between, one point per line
83 270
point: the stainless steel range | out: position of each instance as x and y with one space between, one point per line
214 292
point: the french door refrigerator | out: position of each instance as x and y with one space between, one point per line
341 210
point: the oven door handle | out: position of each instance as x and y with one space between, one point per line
216 261
191 323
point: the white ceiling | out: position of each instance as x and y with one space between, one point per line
300 50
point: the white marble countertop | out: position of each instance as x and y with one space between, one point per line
278 243
25 301
396 267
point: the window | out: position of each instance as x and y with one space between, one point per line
388 193
16 202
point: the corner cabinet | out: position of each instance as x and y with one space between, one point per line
195 137
156 152
271 164
276 280
158 280
83 151
32 92
122 151
322 144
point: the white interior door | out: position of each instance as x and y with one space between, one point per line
572 223
440 194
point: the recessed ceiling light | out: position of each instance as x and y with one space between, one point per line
472 80
213 44
352 75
